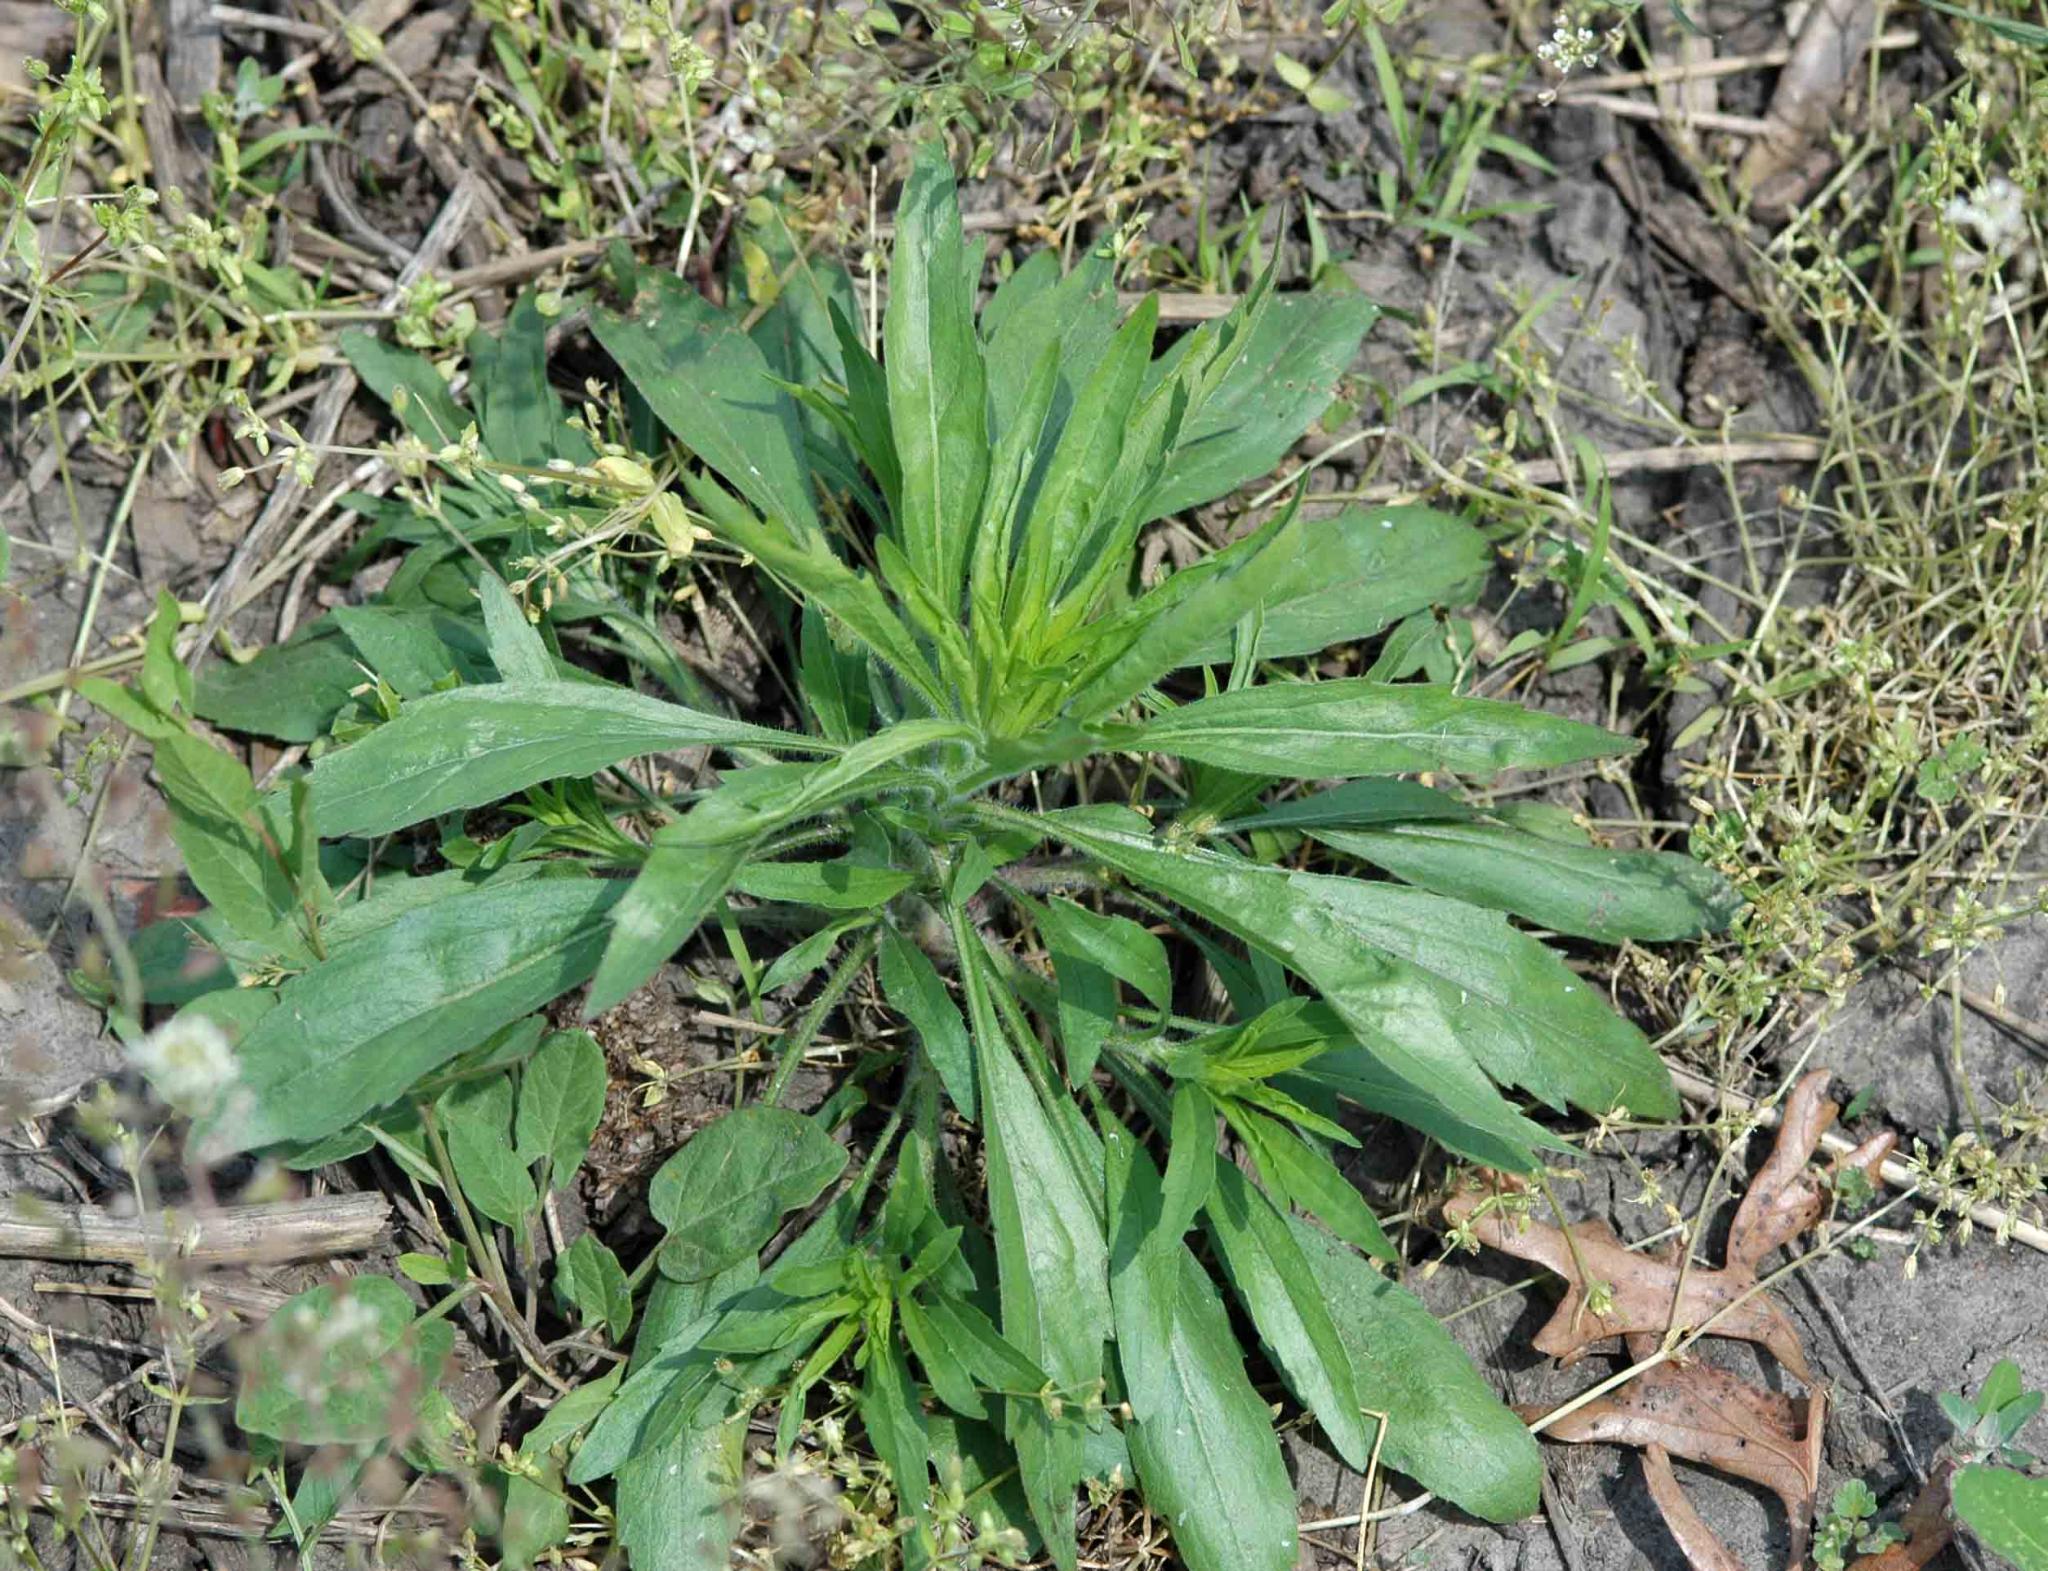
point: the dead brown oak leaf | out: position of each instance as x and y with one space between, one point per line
1686 1407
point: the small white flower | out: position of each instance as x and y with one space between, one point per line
189 1061
1995 213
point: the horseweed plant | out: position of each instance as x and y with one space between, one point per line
996 717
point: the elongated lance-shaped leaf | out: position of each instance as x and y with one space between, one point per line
1359 573
1283 376
849 597
1208 1457
1589 891
1273 1283
355 1031
1035 309
1313 730
709 383
1295 919
473 745
1127 653
1093 441
1446 1428
1051 1259
938 400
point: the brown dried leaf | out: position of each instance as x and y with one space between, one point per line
1707 1415
1703 1550
1783 1201
1691 1409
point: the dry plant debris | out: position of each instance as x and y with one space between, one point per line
1684 1407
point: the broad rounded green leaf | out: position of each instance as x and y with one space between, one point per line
474 745
721 1196
678 1503
341 1364
561 1100
2007 1511
476 1124
1308 730
1446 1427
353 1032
291 691
1588 891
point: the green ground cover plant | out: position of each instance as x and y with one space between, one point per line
1037 795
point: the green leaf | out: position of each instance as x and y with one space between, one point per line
1308 730
1301 920
709 383
1446 1427
410 384
214 820
517 650
1519 1010
2032 34
517 412
678 1502
1272 1281
834 684
1035 309
915 990
341 1364
1161 631
1298 1174
1283 377
1207 1457
291 691
1588 891
573 1413
561 1100
2007 1511
1144 1251
721 1196
937 389
165 681
851 598
352 1033
1052 1261
475 745
944 1365
1091 951
476 1124
589 1279
895 1424
1359 573
675 888
840 885
1070 503
1356 804
535 1517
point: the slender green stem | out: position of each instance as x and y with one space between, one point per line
797 1042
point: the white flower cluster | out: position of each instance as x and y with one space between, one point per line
1994 213
189 1061
1572 46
